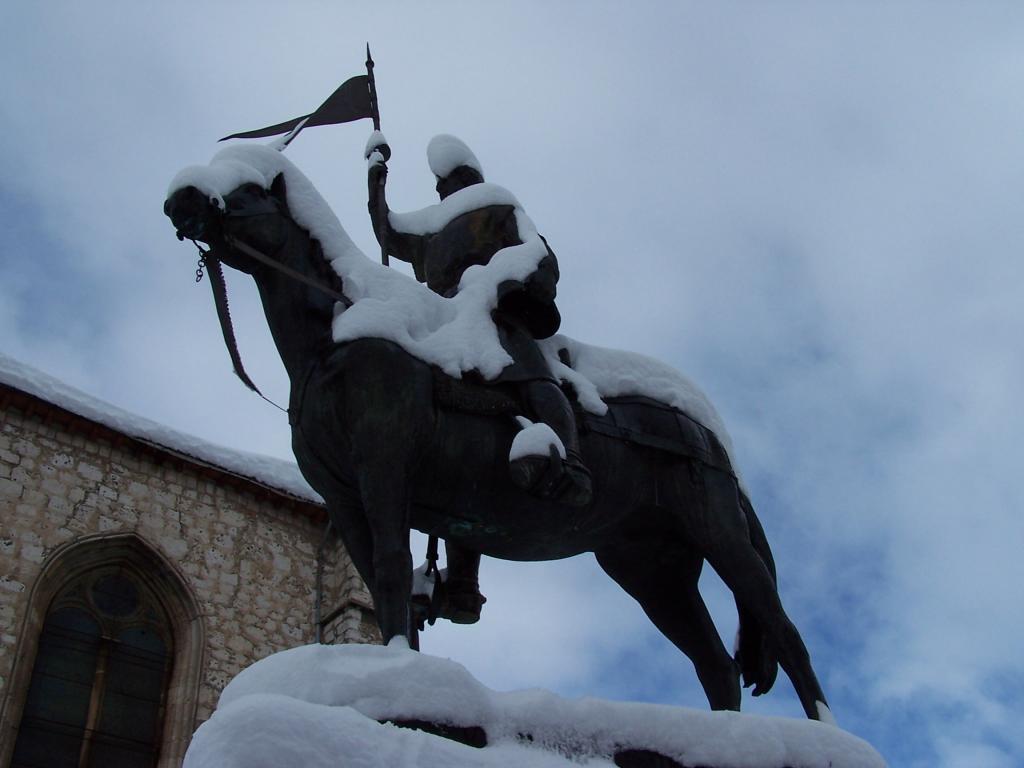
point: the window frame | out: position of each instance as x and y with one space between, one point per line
76 562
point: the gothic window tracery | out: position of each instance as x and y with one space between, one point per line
100 679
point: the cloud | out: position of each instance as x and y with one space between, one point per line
812 210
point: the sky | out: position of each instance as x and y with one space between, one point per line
811 209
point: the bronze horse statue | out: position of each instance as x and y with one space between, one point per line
392 443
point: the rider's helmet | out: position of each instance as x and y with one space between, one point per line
453 163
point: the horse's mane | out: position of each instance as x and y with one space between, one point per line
323 269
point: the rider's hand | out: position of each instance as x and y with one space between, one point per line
377 150
194 215
541 284
379 155
375 166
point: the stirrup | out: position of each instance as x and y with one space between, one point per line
581 489
550 477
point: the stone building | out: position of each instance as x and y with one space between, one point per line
140 570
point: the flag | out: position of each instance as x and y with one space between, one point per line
351 101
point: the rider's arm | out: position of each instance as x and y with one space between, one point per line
402 245
541 284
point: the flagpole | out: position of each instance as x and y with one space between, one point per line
375 114
373 89
354 99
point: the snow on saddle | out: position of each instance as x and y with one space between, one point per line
616 394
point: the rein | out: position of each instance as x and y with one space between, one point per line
261 257
220 301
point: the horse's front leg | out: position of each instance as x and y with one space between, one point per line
387 402
386 497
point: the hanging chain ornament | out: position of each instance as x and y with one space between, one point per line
202 261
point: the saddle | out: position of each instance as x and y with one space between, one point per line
635 419
473 394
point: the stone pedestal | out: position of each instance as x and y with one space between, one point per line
369 706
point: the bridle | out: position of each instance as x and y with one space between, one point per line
220 298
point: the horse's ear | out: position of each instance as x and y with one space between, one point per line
277 189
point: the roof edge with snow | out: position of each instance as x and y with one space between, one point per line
34 391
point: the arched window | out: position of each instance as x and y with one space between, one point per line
100 679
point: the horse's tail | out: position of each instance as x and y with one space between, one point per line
756 660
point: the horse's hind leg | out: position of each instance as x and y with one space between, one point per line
728 548
663 578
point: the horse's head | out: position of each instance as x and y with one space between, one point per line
259 214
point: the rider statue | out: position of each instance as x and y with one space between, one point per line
525 312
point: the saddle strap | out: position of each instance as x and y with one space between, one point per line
461 395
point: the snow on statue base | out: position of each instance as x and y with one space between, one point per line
322 706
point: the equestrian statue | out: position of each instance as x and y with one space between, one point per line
454 408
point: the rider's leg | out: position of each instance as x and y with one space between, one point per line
547 403
462 586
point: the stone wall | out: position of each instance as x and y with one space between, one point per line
246 554
346 611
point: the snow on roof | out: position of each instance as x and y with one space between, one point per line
273 473
318 704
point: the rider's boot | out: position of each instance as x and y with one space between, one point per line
568 480
462 599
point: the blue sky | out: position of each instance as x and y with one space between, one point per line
812 209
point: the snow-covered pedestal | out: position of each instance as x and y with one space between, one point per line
319 706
